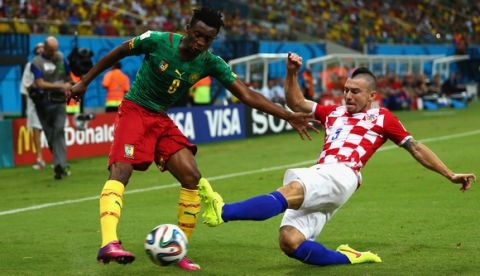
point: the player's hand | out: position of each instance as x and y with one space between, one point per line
465 179
302 122
294 62
76 92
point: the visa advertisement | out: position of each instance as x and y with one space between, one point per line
199 124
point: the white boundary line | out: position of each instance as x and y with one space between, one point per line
225 176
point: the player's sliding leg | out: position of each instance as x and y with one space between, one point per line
111 203
187 212
357 257
314 253
296 225
266 206
256 208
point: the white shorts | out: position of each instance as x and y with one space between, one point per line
32 117
327 187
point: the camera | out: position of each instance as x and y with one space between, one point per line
81 120
80 60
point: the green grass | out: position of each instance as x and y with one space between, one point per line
417 221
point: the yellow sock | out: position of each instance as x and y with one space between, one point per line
188 210
111 203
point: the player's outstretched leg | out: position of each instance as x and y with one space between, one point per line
111 203
357 257
212 214
187 264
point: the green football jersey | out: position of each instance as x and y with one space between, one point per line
163 77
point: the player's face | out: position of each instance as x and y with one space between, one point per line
358 97
199 37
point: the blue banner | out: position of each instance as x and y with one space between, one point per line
206 124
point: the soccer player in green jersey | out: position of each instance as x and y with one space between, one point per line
143 131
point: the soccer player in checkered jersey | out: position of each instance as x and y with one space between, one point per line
143 131
311 196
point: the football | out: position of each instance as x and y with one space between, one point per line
166 244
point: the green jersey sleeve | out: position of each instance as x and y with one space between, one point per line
221 71
146 42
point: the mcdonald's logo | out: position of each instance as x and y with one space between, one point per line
25 140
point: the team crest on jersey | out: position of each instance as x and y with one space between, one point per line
163 66
129 151
370 117
193 77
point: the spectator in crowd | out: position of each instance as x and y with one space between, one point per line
52 78
455 90
307 84
117 85
267 90
460 44
33 122
434 94
414 86
395 97
453 85
278 91
334 86
350 23
434 87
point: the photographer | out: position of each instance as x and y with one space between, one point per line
52 79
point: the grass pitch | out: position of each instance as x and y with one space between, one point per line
417 221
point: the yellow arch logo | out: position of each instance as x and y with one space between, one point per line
25 135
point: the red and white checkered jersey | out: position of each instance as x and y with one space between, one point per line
353 138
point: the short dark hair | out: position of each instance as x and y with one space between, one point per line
367 74
209 16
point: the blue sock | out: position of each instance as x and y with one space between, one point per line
315 253
256 208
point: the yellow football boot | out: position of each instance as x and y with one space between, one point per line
357 257
213 201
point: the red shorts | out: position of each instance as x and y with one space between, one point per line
141 136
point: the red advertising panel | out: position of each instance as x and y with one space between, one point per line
93 141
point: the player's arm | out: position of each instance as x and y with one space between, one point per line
293 94
430 160
299 121
104 63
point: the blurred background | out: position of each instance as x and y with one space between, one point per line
425 54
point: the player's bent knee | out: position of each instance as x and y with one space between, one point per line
121 172
189 181
290 239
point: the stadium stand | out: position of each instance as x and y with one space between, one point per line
350 23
